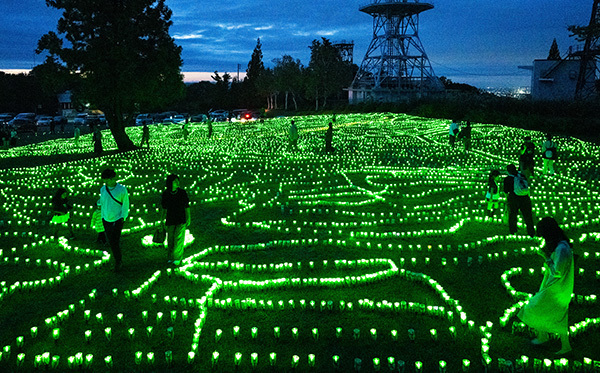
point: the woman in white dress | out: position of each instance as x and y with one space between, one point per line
547 311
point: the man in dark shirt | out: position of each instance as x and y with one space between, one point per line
176 210
516 203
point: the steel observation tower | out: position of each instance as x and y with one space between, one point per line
395 66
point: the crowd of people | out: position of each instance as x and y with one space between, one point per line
546 312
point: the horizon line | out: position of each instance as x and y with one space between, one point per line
188 76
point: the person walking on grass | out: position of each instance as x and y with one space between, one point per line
175 217
114 206
465 135
548 310
492 196
145 136
329 139
62 212
549 154
96 224
516 188
526 158
76 134
97 137
293 136
453 131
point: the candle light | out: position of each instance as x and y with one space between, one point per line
108 361
214 359
295 333
295 360
272 358
277 332
373 333
356 334
311 360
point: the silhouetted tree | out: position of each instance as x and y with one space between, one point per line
255 70
327 73
288 77
122 54
554 54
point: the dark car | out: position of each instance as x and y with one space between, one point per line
24 125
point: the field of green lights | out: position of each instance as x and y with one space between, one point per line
378 257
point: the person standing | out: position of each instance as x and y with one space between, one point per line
114 205
548 310
526 162
76 134
329 139
62 212
492 196
145 136
293 136
97 137
516 188
465 134
96 224
175 217
453 131
210 129
549 154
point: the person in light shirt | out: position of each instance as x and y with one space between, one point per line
114 204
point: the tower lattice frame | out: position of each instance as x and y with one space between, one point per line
395 65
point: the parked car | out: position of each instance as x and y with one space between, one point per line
219 115
23 125
197 118
142 119
178 119
6 117
44 120
80 119
92 120
59 119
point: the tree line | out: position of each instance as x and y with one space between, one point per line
288 85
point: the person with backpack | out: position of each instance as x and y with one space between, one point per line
516 188
549 154
453 131
526 162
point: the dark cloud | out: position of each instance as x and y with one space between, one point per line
459 36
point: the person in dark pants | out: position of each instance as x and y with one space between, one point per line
526 156
114 205
175 218
97 137
329 139
62 212
465 134
145 136
516 203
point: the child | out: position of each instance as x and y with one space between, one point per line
96 224
493 192
61 212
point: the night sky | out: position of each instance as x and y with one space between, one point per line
480 42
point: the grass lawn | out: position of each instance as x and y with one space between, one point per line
377 257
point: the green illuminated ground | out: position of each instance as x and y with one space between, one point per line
354 251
